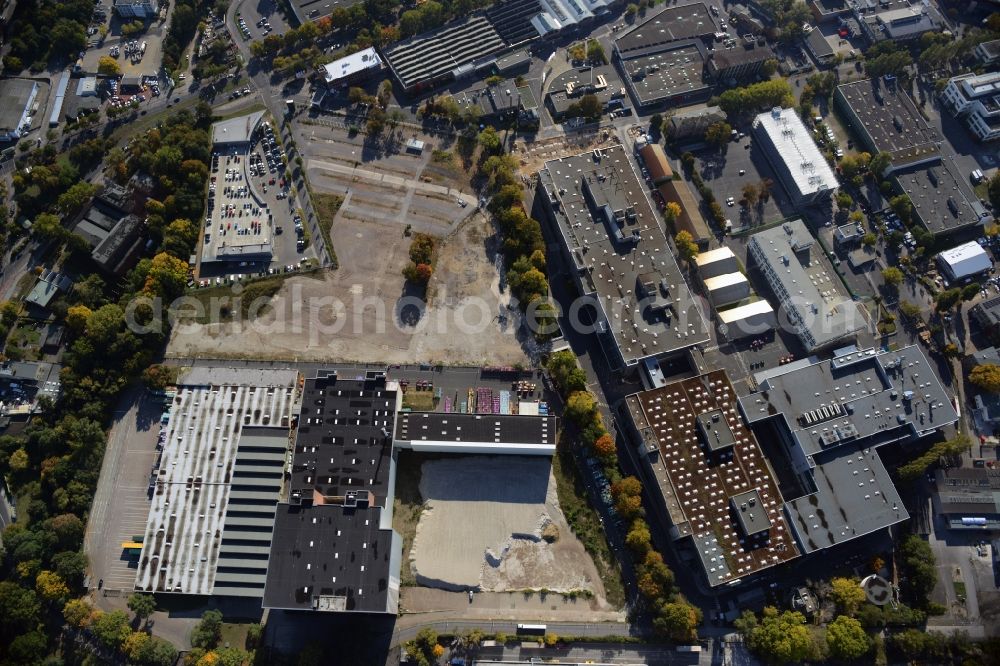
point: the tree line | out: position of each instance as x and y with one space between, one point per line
673 616
53 466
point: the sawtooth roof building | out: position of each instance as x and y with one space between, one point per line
619 256
794 155
477 42
832 416
809 299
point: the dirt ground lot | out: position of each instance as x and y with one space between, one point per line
534 155
363 312
482 526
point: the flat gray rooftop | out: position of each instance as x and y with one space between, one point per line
859 396
659 73
942 199
890 119
813 298
236 130
14 96
669 25
715 430
854 496
750 512
613 236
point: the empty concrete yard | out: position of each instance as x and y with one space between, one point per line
121 505
483 525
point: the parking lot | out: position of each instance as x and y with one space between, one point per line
738 165
121 503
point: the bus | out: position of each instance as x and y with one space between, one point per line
531 630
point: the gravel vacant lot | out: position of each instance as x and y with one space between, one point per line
482 527
363 312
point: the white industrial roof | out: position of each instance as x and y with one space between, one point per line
966 259
182 540
745 311
718 254
352 64
724 280
236 130
802 157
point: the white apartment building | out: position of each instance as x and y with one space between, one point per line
976 100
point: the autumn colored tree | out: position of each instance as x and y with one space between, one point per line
76 317
686 247
78 613
50 586
847 594
638 538
986 377
604 446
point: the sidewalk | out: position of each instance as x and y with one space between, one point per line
419 601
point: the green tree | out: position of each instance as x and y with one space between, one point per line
108 66
638 539
78 613
566 373
678 621
781 637
489 140
142 605
158 652
844 200
51 587
892 277
111 629
718 134
581 409
28 648
879 163
947 299
49 227
846 639
75 198
208 631
919 564
903 207
19 607
595 53
588 107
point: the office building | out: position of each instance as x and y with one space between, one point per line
740 59
975 99
619 257
988 52
898 21
788 146
831 418
708 477
810 298
943 201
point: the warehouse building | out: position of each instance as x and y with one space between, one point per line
943 202
245 504
690 220
885 119
657 164
800 166
969 498
727 288
810 299
216 482
672 72
975 99
114 235
708 477
743 321
831 417
350 69
716 262
671 24
619 257
966 260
